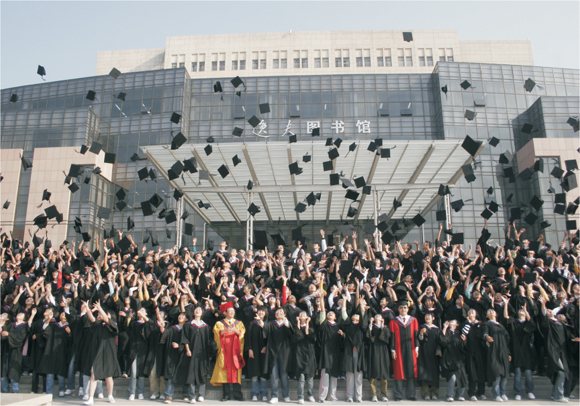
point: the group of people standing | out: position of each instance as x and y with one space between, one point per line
180 318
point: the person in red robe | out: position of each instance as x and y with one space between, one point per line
229 336
404 350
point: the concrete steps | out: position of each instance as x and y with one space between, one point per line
543 389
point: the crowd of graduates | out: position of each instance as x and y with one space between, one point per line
398 312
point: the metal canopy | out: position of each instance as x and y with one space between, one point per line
412 174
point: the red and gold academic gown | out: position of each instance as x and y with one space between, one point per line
404 341
230 361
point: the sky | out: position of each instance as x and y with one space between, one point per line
66 36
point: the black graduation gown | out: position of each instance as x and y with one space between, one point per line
124 335
475 361
304 355
522 343
379 354
174 356
498 354
278 339
331 347
102 355
202 346
82 341
17 335
254 340
155 351
354 335
454 354
57 351
37 344
139 347
428 362
556 338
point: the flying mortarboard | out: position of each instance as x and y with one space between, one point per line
444 89
327 165
494 141
557 172
372 147
529 85
346 230
531 218
124 244
352 211
294 169
208 149
470 115
383 226
559 209
84 149
170 217
41 71
311 199
306 158
369 227
571 225
418 220
190 165
86 237
385 152
238 131
333 154
366 190
130 224
103 212
156 200
526 174
443 190
337 142
121 205
217 87
46 195
539 165
188 229
489 270
73 187
359 182
121 96
536 203
396 204
571 209
346 183
26 163
223 171
387 237
260 239
407 36
465 85
6 204
560 198
13 98
109 158
91 95
470 145
121 194
236 81
253 209
250 185
96 148
571 164
114 73
292 139
544 224
178 141
143 173
457 239
457 205
328 142
203 175
97 170
490 190
264 108
254 121
352 194
569 182
185 215
505 158
395 227
175 118
527 128
334 179
493 206
316 132
168 233
300 208
486 214
210 139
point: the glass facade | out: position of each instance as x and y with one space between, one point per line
393 106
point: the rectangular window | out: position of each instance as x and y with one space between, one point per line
317 63
401 61
409 61
284 63
429 61
254 64
182 64
388 61
367 61
297 62
442 59
359 61
338 62
346 62
213 65
262 64
325 62
222 65
442 54
234 65
408 57
194 66
449 53
276 63
243 64
380 61
421 61
450 59
304 62
201 66
174 64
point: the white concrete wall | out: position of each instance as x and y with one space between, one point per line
184 48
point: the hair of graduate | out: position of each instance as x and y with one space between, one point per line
252 287
430 314
265 310
283 309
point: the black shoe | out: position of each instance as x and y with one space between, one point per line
413 398
398 399
240 399
225 398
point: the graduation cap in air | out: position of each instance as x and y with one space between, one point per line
175 118
130 224
387 237
253 209
529 85
545 224
6 204
366 190
306 158
526 174
571 165
254 121
185 215
505 158
469 115
311 199
443 190
457 239
86 237
396 204
264 108
571 225
494 141
143 173
170 217
203 175
91 95
110 158
210 139
444 89
292 139
135 157
470 145
536 203
440 215
493 206
156 200
527 128
557 172
418 220
177 194
223 171
121 96
84 149
236 160
13 98
333 154
178 141
560 198
571 209
97 170
295 169
46 195
300 208
260 240
351 148
217 87
486 214
238 131
338 142
250 185
570 182
121 194
407 36
385 152
96 148
382 226
574 123
26 163
539 165
36 241
352 211
372 147
114 73
190 165
457 205
465 85
489 270
327 166
208 149
316 132
560 209
237 81
328 142
168 233
41 71
359 182
351 194
124 244
103 212
188 229
346 230
334 179
73 187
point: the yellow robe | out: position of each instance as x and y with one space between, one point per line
219 375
